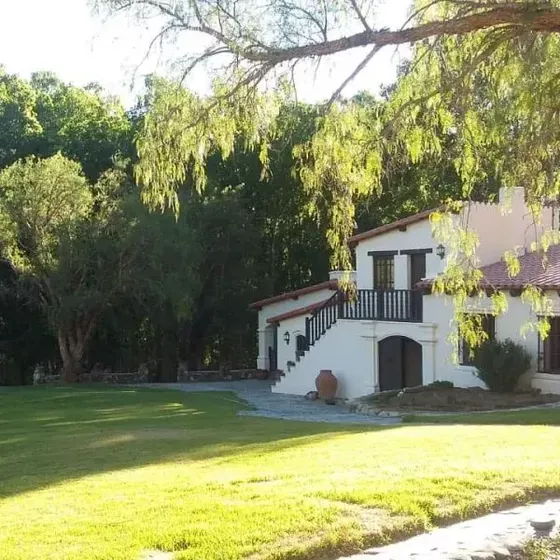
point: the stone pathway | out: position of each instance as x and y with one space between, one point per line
285 407
496 536
360 407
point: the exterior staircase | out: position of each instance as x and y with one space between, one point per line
362 305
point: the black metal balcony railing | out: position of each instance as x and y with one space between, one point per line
373 305
383 305
322 319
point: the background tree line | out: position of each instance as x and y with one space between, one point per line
89 276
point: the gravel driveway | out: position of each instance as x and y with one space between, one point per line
272 405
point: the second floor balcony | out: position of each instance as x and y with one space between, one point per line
366 305
382 305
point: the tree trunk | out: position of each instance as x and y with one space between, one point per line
72 343
71 357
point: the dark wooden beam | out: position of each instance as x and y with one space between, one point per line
416 251
515 292
382 253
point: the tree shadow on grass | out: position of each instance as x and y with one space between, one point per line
57 434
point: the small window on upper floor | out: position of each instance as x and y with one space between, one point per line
488 324
383 272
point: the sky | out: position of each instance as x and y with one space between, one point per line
63 36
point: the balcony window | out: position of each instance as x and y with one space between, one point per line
383 272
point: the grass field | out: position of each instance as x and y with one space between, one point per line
94 473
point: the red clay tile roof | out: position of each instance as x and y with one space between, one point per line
403 222
536 269
296 312
328 285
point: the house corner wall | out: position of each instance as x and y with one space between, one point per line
504 226
346 349
265 330
439 309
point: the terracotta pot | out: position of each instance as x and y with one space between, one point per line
326 384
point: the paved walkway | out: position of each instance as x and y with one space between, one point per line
497 536
286 407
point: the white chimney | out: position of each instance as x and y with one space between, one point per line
338 274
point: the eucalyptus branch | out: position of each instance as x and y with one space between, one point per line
539 17
355 72
360 15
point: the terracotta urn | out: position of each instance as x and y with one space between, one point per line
326 384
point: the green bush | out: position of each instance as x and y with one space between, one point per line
441 385
501 363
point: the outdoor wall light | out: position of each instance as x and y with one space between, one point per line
287 337
440 251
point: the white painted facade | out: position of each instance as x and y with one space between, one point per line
267 332
416 236
351 347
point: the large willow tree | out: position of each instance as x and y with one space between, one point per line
481 89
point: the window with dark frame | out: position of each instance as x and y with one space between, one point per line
383 272
488 324
549 349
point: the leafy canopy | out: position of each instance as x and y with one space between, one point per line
481 90
40 200
43 116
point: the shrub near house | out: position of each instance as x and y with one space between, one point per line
501 363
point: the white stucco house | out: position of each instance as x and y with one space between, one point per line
394 334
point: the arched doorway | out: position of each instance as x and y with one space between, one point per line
400 363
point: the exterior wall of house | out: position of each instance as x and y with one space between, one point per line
350 349
287 352
500 227
505 225
416 236
438 309
343 349
266 330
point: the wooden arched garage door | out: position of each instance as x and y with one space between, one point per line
400 363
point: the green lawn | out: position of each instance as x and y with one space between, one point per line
95 473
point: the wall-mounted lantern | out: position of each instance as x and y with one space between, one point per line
440 251
287 337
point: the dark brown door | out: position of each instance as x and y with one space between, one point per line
417 268
412 363
400 363
390 364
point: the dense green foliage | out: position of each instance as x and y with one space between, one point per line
479 93
92 277
501 363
